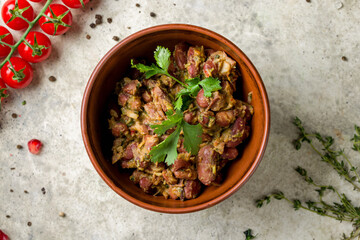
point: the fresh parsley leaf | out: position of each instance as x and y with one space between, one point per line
192 137
210 85
167 149
148 70
178 103
172 121
162 57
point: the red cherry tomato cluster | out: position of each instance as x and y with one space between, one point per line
36 47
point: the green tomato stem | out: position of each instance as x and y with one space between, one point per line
31 25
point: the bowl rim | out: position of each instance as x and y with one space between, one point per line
84 118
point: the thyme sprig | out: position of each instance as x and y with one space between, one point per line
343 209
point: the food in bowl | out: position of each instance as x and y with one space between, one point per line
177 123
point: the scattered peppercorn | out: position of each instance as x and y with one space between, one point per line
14 115
116 38
137 5
109 20
23 102
98 16
11 190
29 224
92 25
128 27
62 214
19 147
26 192
152 14
98 21
43 190
52 79
344 58
7 216
91 9
308 1
88 36
12 168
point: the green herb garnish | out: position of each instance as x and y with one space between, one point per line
167 149
248 235
344 209
191 86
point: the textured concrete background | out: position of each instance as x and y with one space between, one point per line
297 47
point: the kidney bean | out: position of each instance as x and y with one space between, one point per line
187 173
145 184
240 132
129 151
131 87
201 100
136 176
195 56
189 117
206 137
180 163
218 101
230 153
206 165
204 117
172 67
169 177
224 118
119 129
192 189
180 55
123 98
147 96
210 68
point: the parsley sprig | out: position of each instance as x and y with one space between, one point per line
167 149
344 209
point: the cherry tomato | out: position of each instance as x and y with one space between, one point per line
23 73
36 1
5 50
17 23
75 3
60 19
41 45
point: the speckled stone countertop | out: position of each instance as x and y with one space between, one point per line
296 45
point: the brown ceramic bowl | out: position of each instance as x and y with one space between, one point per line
114 65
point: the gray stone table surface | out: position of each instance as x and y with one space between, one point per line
296 45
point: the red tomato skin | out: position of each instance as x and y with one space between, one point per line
26 52
74 3
37 1
2 85
49 28
17 23
5 50
18 63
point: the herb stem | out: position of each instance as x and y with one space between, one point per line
181 83
31 25
346 176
